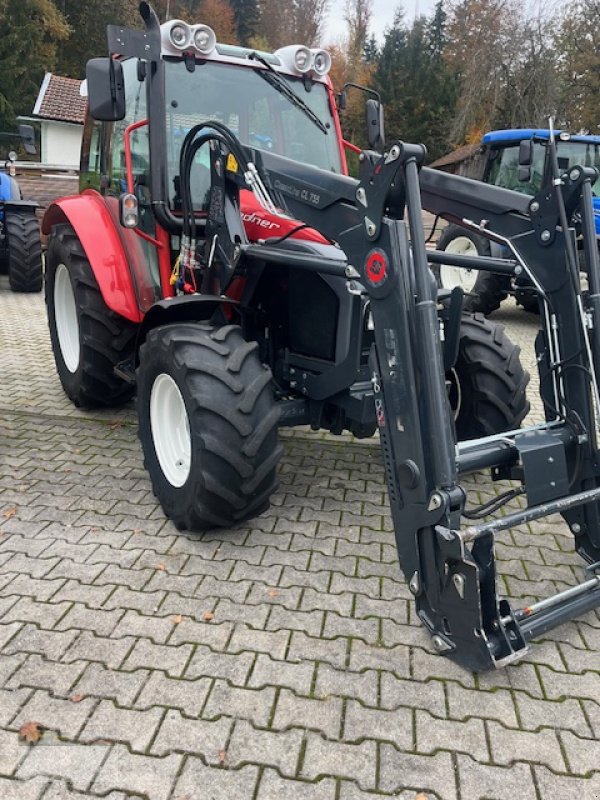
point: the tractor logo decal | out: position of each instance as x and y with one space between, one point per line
377 267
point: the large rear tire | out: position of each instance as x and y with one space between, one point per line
488 383
484 290
25 271
88 339
208 424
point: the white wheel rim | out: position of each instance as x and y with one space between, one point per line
65 316
450 277
170 428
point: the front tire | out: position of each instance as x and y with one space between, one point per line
25 271
88 339
207 424
484 290
488 384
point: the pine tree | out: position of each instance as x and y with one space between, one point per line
32 31
247 17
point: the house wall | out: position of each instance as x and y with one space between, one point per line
61 144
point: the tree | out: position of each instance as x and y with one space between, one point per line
246 19
32 31
88 23
284 22
578 43
219 15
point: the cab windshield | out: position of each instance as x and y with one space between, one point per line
252 108
504 169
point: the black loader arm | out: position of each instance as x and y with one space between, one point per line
450 566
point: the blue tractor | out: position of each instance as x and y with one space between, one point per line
515 159
20 246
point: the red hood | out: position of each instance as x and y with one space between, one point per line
260 224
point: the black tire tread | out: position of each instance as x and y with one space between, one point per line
25 270
233 421
493 381
107 338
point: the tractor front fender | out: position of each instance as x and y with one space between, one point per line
184 308
90 218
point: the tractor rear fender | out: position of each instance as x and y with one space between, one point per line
111 252
184 308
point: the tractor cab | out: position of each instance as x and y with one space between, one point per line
503 157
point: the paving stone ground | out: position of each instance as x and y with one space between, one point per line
280 660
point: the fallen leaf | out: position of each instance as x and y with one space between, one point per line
76 698
222 756
272 592
208 616
114 425
77 450
421 796
10 512
161 567
31 732
177 619
137 530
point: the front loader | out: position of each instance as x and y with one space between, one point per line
236 285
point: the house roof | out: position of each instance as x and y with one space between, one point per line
60 99
460 154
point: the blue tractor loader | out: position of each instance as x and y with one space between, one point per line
516 159
20 246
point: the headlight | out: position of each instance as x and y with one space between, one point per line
303 59
180 34
205 39
321 62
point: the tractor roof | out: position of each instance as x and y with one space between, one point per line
518 134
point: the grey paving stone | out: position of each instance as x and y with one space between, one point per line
63 715
108 723
213 634
197 779
38 673
352 761
255 705
331 651
11 700
171 659
551 785
362 723
273 642
122 687
232 667
144 602
51 644
187 695
129 772
76 763
362 686
13 789
269 672
480 781
100 621
399 771
278 749
12 752
324 716
273 787
90 647
57 790
196 736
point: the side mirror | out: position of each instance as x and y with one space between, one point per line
526 153
342 100
106 89
375 127
28 138
524 174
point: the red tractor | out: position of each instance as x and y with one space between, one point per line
220 263
145 294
